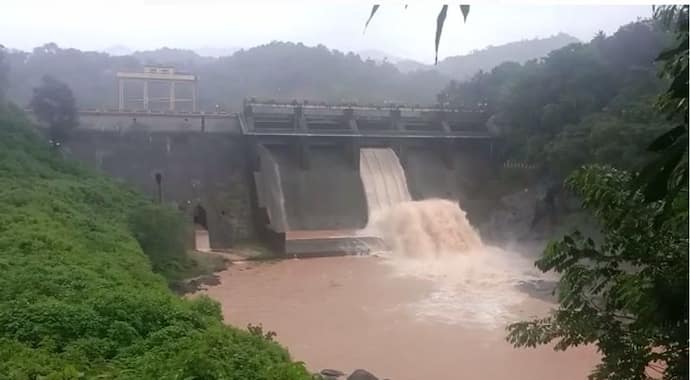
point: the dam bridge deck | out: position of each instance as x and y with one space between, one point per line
307 121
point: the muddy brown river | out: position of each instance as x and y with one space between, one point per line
403 319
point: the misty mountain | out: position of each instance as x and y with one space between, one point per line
408 65
278 70
215 52
171 57
118 50
379 56
464 66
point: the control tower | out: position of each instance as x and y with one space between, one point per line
157 75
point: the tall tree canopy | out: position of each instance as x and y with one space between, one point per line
4 69
574 105
628 292
54 105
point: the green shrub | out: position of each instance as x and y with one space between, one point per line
162 235
78 297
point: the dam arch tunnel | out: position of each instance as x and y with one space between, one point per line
199 216
201 236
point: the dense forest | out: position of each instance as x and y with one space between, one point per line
584 103
279 70
625 289
463 67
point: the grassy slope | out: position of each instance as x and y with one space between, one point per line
78 297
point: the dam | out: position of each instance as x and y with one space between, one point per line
304 177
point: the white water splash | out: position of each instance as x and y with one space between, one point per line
476 288
432 239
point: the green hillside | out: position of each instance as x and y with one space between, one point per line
78 295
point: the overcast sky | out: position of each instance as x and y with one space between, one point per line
149 24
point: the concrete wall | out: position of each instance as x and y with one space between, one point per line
159 122
429 174
269 190
203 161
206 169
326 196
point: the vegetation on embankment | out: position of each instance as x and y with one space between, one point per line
79 298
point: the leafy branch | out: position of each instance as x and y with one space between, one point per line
440 20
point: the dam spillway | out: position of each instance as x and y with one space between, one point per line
322 172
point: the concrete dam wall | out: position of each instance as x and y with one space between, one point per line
288 173
326 196
332 195
202 174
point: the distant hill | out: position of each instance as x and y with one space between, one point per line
279 70
216 52
408 65
464 66
118 50
379 56
168 56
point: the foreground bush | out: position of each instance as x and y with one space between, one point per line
161 233
78 297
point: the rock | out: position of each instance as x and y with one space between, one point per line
361 374
334 373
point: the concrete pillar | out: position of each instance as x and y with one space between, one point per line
146 95
252 155
396 121
304 153
121 95
352 151
447 153
172 96
249 117
300 123
445 127
349 116
195 90
401 151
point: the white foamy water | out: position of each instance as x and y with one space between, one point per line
383 179
478 287
430 228
433 240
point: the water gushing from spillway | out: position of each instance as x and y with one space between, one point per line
383 179
430 227
432 239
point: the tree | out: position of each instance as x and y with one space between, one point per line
628 293
54 105
440 20
575 95
4 68
667 175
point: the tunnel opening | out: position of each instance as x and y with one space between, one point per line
201 237
200 217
